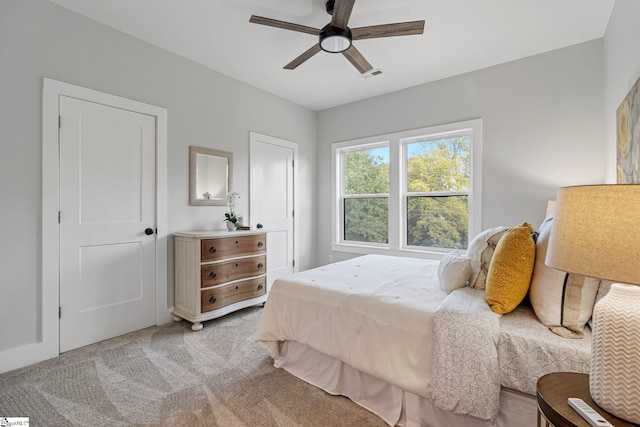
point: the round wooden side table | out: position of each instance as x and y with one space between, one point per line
552 392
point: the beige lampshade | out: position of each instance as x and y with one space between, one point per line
596 232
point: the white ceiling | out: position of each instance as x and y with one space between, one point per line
460 36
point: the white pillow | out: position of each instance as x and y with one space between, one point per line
480 251
563 302
454 271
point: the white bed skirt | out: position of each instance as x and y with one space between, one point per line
394 405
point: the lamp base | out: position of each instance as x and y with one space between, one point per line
614 380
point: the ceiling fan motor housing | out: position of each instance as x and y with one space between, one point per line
329 6
334 39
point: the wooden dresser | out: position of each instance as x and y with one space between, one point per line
218 272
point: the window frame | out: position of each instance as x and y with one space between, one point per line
342 197
397 220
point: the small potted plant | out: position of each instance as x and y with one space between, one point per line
232 220
230 217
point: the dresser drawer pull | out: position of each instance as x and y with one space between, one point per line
212 299
212 250
212 275
260 286
260 244
236 287
260 265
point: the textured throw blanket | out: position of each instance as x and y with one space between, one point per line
466 374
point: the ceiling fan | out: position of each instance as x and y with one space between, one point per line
337 37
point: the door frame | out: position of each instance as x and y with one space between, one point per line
257 138
49 346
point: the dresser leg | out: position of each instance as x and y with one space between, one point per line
196 326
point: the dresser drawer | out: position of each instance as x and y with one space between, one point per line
226 247
228 294
216 274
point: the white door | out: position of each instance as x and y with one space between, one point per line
107 201
272 200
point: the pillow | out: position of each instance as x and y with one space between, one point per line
454 271
480 251
603 290
510 270
563 302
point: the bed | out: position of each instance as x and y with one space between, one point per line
382 331
456 342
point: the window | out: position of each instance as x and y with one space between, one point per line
365 208
437 177
416 191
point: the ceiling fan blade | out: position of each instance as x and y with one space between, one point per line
341 13
284 25
388 30
300 59
355 57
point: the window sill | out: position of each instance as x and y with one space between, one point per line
378 250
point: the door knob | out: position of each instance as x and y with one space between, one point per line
149 231
259 225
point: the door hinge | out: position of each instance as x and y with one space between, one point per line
59 122
59 216
293 213
293 263
59 312
293 163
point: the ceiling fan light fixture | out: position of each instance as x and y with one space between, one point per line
334 39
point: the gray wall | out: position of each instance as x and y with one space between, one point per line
39 39
621 70
542 128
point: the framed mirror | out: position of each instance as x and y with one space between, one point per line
210 174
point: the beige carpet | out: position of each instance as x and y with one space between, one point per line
171 376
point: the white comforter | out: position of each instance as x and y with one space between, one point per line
353 310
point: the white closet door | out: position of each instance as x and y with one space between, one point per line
107 200
272 200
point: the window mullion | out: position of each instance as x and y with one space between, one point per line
395 195
436 193
365 196
339 200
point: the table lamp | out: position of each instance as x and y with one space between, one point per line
596 233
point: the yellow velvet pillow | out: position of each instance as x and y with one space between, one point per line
511 268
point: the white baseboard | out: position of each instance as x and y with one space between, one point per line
29 354
20 357
164 316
